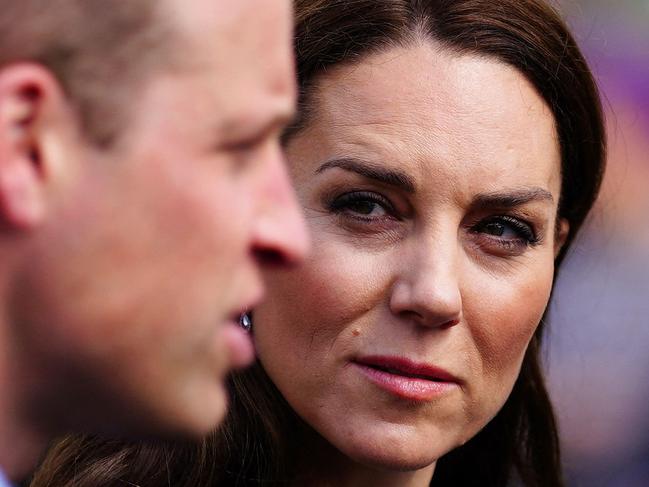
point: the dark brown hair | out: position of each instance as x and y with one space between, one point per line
91 47
256 444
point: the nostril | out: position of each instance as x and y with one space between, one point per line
449 324
428 320
407 314
270 258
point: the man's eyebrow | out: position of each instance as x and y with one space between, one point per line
284 119
259 128
371 170
277 123
511 198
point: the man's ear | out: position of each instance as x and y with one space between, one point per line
30 97
563 228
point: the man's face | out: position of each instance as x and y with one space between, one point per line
128 303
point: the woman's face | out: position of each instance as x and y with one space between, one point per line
430 181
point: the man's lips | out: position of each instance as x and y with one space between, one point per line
248 304
238 344
237 341
406 378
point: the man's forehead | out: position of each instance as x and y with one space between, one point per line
242 19
198 15
239 53
235 37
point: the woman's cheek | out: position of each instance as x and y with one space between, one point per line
307 309
502 322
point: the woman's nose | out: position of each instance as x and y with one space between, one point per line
426 289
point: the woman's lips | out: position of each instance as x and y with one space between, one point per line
405 378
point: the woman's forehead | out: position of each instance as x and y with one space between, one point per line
426 109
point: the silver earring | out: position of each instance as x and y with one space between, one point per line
246 322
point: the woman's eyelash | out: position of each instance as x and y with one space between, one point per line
511 233
360 203
523 230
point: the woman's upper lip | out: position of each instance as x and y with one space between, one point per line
404 366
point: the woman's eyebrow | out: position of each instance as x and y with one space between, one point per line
371 170
511 198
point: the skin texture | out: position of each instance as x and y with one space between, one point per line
429 273
123 270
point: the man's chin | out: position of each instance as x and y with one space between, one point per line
191 419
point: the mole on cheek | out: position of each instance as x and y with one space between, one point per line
356 333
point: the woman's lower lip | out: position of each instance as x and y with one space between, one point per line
410 388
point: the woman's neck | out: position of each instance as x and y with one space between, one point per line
319 464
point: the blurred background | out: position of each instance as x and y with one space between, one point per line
598 343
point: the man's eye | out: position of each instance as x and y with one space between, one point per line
243 146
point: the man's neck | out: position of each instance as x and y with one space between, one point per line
20 447
21 442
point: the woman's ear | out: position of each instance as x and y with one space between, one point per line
31 106
563 228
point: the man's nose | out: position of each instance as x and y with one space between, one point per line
280 235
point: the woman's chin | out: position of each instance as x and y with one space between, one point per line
385 445
401 458
400 464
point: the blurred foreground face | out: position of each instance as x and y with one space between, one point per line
430 182
152 249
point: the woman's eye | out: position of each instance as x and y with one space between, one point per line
498 229
366 207
509 230
362 204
